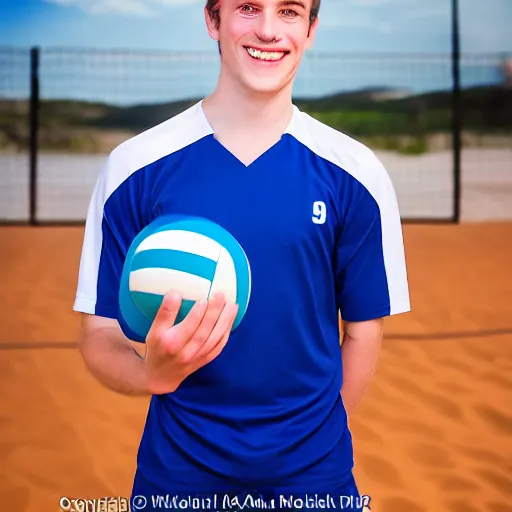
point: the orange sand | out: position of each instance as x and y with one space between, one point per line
434 432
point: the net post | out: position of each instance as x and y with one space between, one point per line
34 126
456 111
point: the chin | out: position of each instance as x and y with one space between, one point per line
266 86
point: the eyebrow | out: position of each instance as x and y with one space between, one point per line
293 2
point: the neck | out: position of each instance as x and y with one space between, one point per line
242 109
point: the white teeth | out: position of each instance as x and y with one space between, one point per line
258 54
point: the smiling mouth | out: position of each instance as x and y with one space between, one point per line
264 55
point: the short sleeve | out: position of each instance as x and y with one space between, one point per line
114 218
371 276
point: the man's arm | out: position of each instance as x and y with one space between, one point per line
360 349
173 350
110 356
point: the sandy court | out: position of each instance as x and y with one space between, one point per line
434 432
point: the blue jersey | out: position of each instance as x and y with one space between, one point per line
317 217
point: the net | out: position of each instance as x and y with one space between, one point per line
401 106
14 134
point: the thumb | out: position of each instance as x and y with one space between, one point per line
166 315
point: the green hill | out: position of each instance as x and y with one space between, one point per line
376 116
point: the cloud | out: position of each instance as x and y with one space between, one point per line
384 16
370 2
353 17
432 8
357 23
431 12
128 7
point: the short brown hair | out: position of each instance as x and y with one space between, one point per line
213 7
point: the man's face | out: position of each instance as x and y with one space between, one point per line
262 41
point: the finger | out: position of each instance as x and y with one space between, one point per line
221 331
213 350
179 335
166 315
203 332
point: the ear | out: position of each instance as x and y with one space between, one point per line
311 34
211 25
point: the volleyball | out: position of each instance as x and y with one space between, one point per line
193 256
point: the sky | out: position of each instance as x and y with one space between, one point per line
417 26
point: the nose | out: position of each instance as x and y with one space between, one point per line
267 28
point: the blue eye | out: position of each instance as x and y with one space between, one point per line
247 8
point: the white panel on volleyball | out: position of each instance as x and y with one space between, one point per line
161 280
186 241
225 277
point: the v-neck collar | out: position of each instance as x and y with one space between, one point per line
211 132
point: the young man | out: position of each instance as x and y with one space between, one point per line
263 409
